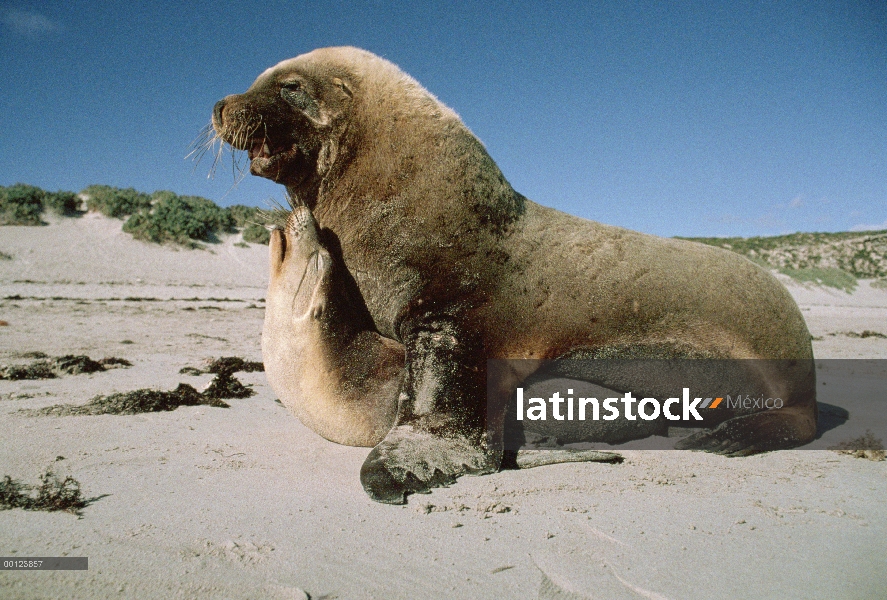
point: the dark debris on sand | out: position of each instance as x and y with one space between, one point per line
227 365
51 495
44 367
868 333
223 386
131 403
226 385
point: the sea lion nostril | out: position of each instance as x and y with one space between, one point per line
217 111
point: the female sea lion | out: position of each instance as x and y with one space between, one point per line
459 268
327 365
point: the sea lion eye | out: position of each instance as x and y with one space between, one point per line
294 93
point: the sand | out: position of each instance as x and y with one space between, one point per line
245 502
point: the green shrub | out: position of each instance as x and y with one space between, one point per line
116 202
179 219
256 234
21 204
62 203
253 219
835 278
244 215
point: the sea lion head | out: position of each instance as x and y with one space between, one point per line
291 119
345 114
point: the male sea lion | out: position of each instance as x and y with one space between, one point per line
458 267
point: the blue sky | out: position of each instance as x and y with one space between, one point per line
673 118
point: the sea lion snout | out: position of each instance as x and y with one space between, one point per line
302 227
296 244
299 265
236 121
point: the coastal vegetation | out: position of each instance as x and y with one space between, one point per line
835 260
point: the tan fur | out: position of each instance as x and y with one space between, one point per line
308 345
455 265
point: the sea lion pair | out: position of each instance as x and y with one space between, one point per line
409 261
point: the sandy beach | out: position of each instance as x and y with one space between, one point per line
246 502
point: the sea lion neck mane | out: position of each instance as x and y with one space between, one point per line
411 212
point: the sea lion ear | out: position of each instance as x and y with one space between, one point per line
343 85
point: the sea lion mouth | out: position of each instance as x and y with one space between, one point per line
261 148
267 159
279 147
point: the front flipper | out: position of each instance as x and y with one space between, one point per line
440 432
411 461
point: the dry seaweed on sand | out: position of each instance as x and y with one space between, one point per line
36 370
226 365
132 403
865 446
52 494
225 385
75 365
44 367
866 334
113 362
233 364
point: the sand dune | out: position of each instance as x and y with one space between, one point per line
245 502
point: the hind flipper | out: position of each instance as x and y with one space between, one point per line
760 432
527 459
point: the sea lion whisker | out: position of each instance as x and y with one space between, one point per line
274 216
206 132
293 200
236 171
260 123
304 273
239 169
202 144
210 147
217 156
215 144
